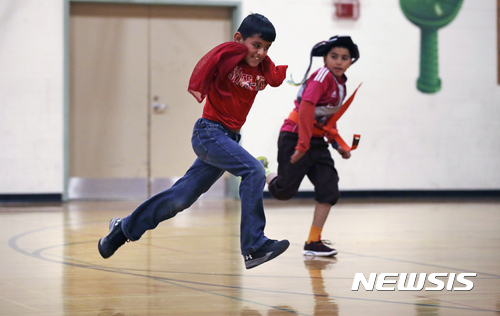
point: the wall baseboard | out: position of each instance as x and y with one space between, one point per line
31 198
405 194
57 197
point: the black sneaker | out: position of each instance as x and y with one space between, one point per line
318 248
111 242
268 251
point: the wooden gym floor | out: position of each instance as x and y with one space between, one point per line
191 265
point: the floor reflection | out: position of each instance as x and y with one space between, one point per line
109 312
426 307
277 311
323 304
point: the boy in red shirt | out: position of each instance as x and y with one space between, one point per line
229 77
302 149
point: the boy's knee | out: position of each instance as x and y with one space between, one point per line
260 171
256 170
335 199
282 195
181 203
331 198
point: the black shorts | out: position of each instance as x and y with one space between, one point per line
317 164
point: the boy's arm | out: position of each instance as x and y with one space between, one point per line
344 153
216 63
275 75
306 124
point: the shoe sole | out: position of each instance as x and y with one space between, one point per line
319 254
269 256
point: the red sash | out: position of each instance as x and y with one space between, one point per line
328 128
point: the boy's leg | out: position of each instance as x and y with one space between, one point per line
314 245
286 184
197 180
217 152
321 212
325 180
217 148
164 205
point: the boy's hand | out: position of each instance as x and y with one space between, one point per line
344 153
296 156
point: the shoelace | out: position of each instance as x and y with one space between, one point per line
327 242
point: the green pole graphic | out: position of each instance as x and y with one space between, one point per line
429 16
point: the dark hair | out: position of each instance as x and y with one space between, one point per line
257 24
322 49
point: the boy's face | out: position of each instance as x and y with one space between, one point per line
257 48
338 60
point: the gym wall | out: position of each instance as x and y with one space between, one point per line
410 140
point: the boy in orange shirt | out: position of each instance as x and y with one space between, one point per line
302 150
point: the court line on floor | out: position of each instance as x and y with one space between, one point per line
39 254
181 283
419 263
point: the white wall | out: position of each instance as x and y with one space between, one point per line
409 140
31 96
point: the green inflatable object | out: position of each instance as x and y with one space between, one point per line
429 16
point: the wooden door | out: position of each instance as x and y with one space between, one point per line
179 38
123 60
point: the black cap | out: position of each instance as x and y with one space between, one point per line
322 48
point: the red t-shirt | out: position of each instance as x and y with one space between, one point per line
321 97
231 109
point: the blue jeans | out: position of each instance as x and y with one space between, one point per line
218 150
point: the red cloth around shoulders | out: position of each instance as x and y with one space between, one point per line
220 61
